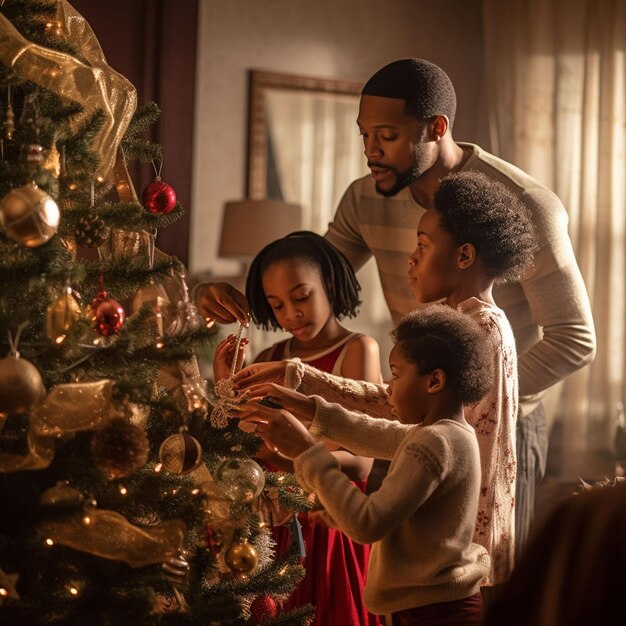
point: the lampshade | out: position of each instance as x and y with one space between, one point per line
249 225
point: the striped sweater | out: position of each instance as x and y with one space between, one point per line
548 309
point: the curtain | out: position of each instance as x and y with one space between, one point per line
153 44
555 72
317 153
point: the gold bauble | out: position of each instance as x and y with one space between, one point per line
60 316
241 557
21 385
180 453
29 216
152 293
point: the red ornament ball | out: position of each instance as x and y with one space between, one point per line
158 197
262 608
108 317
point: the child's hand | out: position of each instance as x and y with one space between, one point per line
276 459
266 372
279 429
303 407
223 357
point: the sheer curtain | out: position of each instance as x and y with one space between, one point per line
318 152
556 75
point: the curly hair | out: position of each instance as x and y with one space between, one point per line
440 337
426 89
340 282
479 210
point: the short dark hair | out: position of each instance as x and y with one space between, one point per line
439 337
426 89
340 282
479 210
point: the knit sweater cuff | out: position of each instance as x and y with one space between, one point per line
325 413
294 371
316 455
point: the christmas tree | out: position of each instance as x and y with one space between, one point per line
128 495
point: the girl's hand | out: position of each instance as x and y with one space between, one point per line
223 357
279 429
266 372
296 403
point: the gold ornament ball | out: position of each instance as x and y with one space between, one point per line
29 216
241 557
180 453
60 316
21 385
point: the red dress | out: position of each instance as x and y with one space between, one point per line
335 566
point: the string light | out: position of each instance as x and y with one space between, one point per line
49 541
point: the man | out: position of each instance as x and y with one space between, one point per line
406 116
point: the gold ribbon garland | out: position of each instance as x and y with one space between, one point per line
94 85
109 535
40 455
73 407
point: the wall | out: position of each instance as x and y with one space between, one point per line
328 38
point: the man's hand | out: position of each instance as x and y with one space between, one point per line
224 304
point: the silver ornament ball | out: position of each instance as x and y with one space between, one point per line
241 479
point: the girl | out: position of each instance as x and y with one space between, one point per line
304 285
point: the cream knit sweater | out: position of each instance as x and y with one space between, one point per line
421 520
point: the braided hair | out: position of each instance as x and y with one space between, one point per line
338 277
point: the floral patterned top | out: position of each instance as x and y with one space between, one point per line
493 418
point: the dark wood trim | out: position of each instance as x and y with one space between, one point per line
259 81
